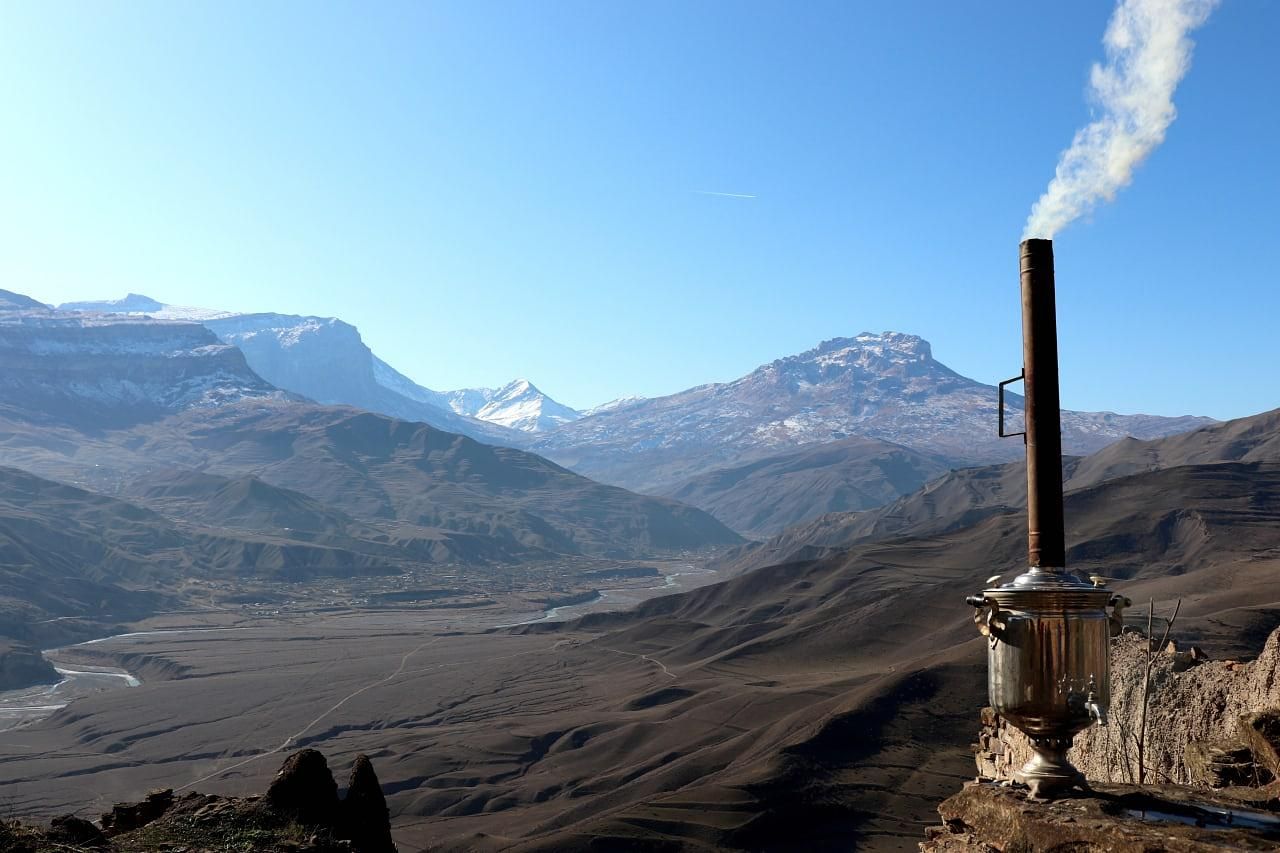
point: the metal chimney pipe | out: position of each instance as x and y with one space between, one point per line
1046 536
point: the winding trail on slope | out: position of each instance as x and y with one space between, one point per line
648 658
404 661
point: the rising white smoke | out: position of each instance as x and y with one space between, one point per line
1148 52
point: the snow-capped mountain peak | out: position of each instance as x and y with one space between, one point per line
884 386
517 405
139 305
614 404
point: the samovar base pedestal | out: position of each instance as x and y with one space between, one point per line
1049 774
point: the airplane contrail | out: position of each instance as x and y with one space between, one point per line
724 195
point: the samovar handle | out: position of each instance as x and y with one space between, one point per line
1118 603
987 617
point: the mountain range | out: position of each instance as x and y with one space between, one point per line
326 360
146 454
105 400
759 452
884 386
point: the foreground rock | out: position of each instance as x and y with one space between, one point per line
301 813
985 818
304 789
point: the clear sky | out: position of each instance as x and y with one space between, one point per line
501 189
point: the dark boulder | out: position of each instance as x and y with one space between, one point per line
365 819
126 817
304 790
77 831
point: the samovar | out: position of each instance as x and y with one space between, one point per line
1049 656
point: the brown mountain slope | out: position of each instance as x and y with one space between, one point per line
376 467
68 552
1252 439
72 561
245 503
74 564
958 499
767 495
967 495
99 399
371 468
829 704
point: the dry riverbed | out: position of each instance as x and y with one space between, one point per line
209 699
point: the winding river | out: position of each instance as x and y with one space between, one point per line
22 707
28 705
619 598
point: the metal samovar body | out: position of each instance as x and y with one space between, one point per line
1049 666
1049 655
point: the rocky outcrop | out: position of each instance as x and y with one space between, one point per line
22 666
364 817
76 831
107 370
326 360
126 817
300 813
304 789
987 818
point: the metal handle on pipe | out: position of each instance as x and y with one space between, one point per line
1001 431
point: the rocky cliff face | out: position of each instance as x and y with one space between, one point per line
326 360
886 386
321 358
22 666
102 370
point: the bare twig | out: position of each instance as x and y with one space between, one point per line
1146 681
1169 625
1146 693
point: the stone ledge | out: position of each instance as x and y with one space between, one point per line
987 817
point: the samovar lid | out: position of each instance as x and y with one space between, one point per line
1040 587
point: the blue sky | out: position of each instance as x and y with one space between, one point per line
498 189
